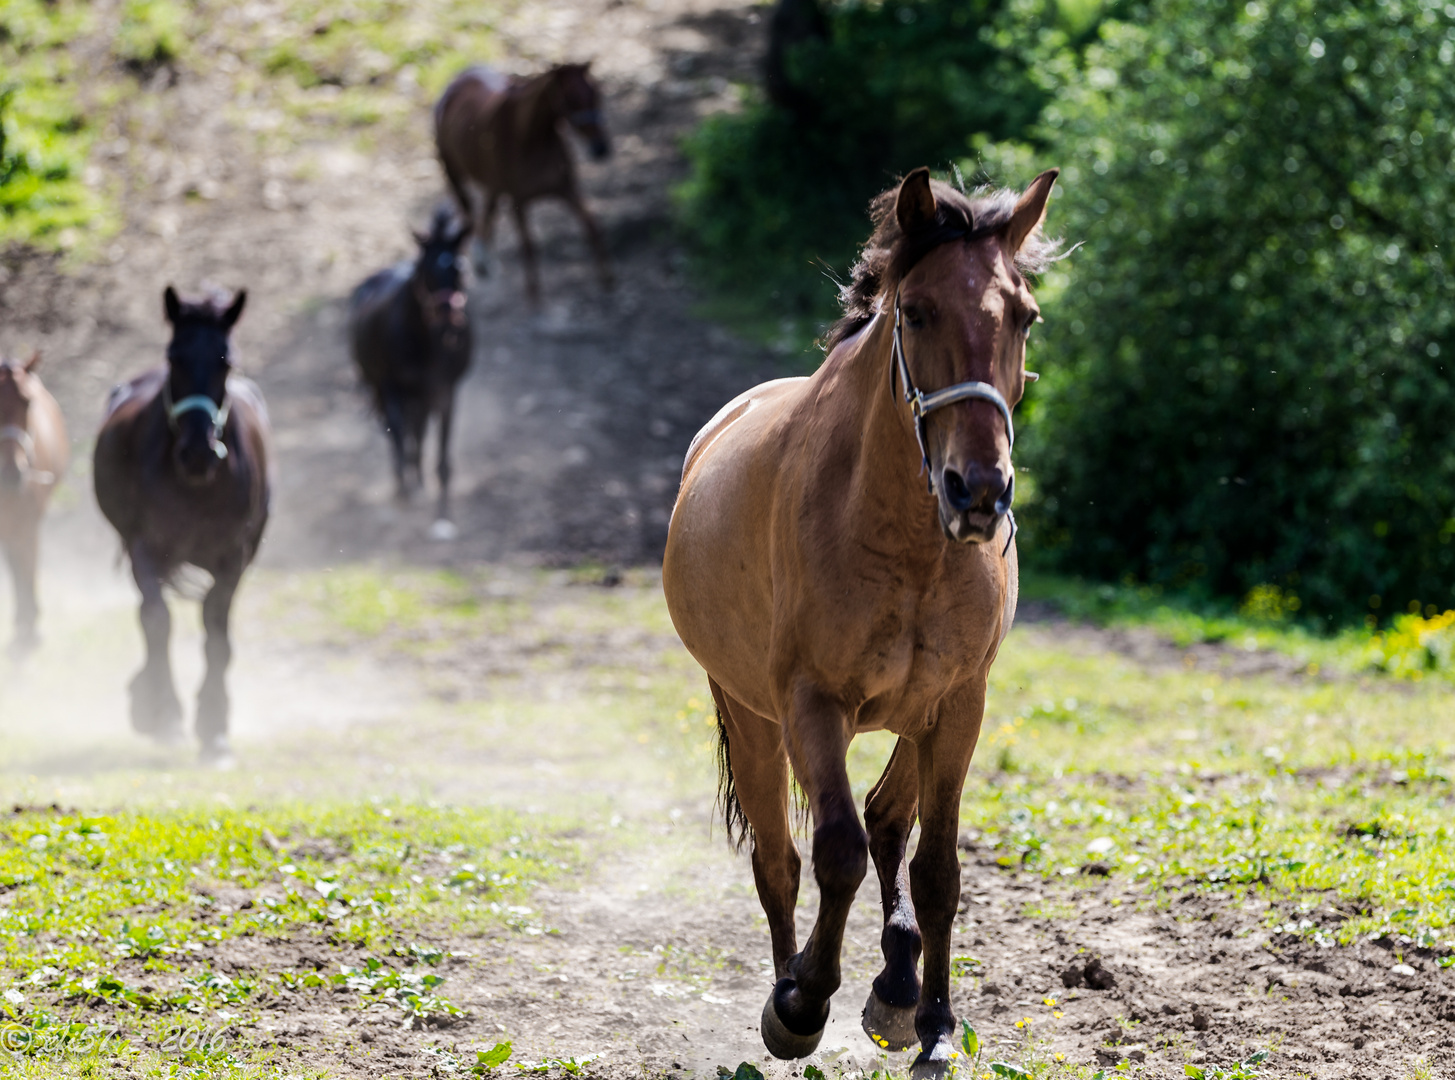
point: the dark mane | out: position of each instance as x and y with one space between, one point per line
889 254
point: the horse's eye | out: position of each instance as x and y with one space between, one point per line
914 317
1031 320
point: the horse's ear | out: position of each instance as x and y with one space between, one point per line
33 362
915 207
234 310
1030 209
172 303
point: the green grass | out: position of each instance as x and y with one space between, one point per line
110 922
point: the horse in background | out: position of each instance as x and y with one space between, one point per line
183 473
827 592
502 134
34 452
409 332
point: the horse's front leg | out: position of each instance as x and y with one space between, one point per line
20 553
527 251
155 707
594 238
889 814
817 736
445 467
934 873
397 427
213 705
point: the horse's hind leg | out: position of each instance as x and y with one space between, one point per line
817 736
20 553
155 708
594 238
445 469
213 705
889 815
397 426
755 781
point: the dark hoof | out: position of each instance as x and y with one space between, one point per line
217 754
890 1027
932 1064
781 1042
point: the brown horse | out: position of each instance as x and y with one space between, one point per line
502 133
182 473
828 593
34 452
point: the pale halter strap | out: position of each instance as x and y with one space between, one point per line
922 404
199 403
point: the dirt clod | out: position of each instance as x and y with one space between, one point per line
1097 976
1072 976
1200 1022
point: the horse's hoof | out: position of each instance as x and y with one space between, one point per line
932 1064
890 1027
781 1042
443 530
171 735
217 754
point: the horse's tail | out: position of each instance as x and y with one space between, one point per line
735 821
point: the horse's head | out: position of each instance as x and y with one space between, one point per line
195 393
581 105
955 282
439 283
17 450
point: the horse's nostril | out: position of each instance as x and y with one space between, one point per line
957 491
1007 496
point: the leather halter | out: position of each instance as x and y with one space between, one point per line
199 403
922 404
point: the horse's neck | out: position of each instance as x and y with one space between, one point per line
536 105
888 488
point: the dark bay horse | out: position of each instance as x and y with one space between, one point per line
182 472
502 134
34 453
827 592
409 333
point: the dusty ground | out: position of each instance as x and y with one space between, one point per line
574 422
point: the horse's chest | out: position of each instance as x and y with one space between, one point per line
887 649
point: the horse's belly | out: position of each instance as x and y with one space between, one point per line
715 571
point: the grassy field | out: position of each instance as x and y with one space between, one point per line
1321 787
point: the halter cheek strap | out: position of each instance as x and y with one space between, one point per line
922 404
199 403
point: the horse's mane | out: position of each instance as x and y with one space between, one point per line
890 253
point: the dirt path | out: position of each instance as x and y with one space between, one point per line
574 421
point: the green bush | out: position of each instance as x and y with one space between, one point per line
1249 370
43 135
776 199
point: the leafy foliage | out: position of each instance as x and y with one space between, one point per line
43 134
1251 379
776 196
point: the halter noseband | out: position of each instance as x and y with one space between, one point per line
199 403
922 404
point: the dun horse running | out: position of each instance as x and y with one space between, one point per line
502 133
827 592
410 336
183 474
34 452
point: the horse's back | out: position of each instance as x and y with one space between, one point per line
368 320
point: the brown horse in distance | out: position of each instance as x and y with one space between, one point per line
502 134
182 472
34 452
827 592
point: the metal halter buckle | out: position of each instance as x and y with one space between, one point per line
922 404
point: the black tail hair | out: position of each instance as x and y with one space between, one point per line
734 820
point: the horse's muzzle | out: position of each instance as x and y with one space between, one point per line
973 502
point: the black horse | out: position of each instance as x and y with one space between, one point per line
410 336
182 472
